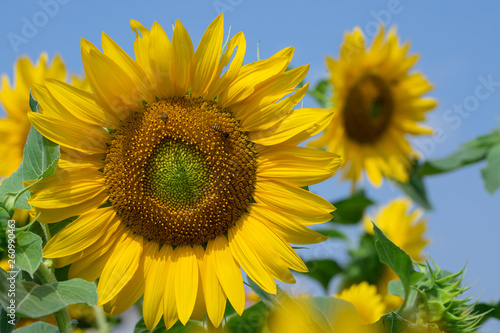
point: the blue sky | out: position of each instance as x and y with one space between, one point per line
459 47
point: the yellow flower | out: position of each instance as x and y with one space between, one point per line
366 300
181 176
15 99
406 229
377 102
299 315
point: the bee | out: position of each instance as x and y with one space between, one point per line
217 128
164 116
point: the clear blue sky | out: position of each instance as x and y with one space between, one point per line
458 42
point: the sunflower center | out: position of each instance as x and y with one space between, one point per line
181 171
368 109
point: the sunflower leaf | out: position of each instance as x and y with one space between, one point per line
40 158
332 233
34 300
454 161
7 321
351 210
323 270
393 256
415 188
321 93
252 320
489 311
38 327
491 173
393 323
267 298
28 252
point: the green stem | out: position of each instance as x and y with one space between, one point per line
101 321
62 316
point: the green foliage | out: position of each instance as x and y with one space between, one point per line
332 233
34 300
28 252
415 188
400 262
489 310
321 93
5 326
38 327
267 298
323 270
40 158
364 264
491 173
393 323
350 210
252 320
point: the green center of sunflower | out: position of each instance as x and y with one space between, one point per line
181 171
368 109
178 173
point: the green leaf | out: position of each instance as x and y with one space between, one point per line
191 327
364 264
323 270
28 252
7 322
491 173
38 327
322 94
415 188
490 310
454 161
391 255
252 320
40 158
267 298
332 233
393 323
485 141
351 210
34 300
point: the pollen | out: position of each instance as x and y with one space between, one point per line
181 171
368 109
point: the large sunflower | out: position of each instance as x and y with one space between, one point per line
377 102
181 176
15 100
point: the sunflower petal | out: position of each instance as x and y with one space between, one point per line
185 266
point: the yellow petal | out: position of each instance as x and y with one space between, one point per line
291 199
215 298
160 59
221 83
169 298
87 139
248 259
155 284
81 104
207 56
228 272
300 125
67 188
120 267
182 55
287 226
297 165
80 234
185 267
143 87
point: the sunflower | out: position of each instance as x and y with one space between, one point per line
15 100
181 175
366 300
406 229
377 102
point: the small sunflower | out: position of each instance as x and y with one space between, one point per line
406 229
366 300
15 100
377 102
181 174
